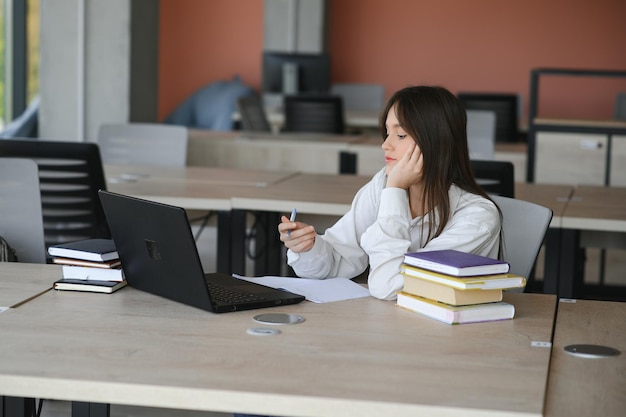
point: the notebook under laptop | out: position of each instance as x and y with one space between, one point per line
159 255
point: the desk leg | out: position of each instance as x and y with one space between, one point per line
269 246
82 409
237 229
571 272
224 242
17 407
267 260
552 245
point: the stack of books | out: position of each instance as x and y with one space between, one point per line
88 265
457 287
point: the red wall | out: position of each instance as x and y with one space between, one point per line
202 41
470 45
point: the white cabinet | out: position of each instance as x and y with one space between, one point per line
574 151
570 158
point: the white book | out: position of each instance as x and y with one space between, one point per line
93 274
473 313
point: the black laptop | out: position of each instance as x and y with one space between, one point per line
159 255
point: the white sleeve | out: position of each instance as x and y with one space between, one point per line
337 252
386 241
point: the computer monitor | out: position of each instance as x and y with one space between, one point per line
305 73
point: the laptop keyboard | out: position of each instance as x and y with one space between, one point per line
231 296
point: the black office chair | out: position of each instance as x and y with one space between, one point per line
495 177
314 113
253 116
70 174
504 105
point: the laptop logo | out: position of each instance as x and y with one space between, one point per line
153 249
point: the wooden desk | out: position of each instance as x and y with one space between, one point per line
303 152
20 283
324 194
17 288
194 176
596 208
269 193
233 192
588 386
593 211
353 118
363 357
553 196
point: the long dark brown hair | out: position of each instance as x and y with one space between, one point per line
437 121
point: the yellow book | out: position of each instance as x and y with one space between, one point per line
447 294
483 282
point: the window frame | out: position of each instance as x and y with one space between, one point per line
15 59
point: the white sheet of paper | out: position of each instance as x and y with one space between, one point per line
315 290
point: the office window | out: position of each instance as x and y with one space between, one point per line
19 56
32 50
2 63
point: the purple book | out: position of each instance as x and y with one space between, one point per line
457 263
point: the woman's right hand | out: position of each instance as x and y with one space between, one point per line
408 170
297 236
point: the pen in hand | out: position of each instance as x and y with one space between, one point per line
291 219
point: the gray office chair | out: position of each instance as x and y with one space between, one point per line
481 133
253 117
524 227
143 144
148 144
620 106
70 175
360 96
495 177
21 221
314 113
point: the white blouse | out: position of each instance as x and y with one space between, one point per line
378 230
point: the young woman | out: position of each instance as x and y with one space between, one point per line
425 198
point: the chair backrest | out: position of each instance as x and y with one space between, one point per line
524 226
620 106
26 124
143 144
70 175
360 96
253 116
21 221
506 107
314 113
481 133
495 177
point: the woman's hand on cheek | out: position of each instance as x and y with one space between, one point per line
408 170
